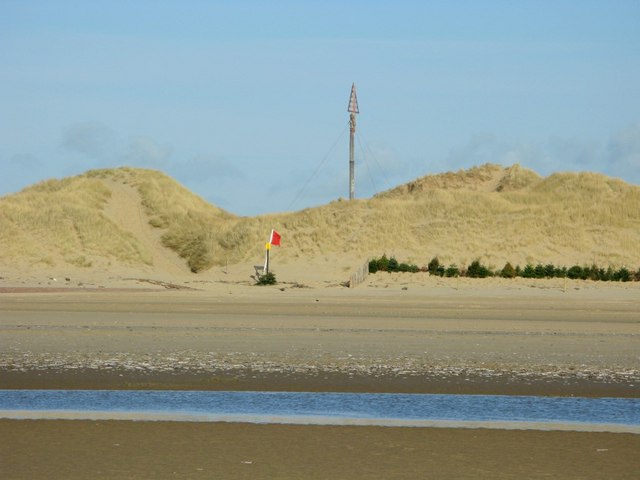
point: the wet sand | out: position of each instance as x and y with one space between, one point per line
431 340
247 380
533 341
45 449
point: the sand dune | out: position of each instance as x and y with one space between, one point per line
130 221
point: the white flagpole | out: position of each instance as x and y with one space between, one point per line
266 259
266 256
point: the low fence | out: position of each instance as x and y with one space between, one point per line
359 275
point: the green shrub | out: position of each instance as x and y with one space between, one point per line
575 272
393 265
591 273
408 267
549 270
529 271
373 265
622 275
606 275
452 271
434 267
477 270
267 279
383 263
508 271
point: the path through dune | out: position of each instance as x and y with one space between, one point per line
125 210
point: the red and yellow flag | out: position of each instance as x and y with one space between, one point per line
275 238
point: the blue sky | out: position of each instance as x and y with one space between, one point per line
245 102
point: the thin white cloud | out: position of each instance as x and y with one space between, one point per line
145 151
618 156
208 166
92 141
623 154
98 145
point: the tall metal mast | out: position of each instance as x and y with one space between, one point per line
353 110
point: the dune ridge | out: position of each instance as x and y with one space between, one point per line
142 219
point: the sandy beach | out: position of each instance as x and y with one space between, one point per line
388 335
473 338
103 449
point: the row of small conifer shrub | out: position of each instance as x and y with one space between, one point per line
478 270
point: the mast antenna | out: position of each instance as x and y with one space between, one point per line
353 110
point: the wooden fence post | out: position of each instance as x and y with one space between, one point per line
359 275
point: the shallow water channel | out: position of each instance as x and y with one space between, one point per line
572 413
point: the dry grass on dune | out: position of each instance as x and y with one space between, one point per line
491 213
187 221
65 222
487 178
563 219
61 221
